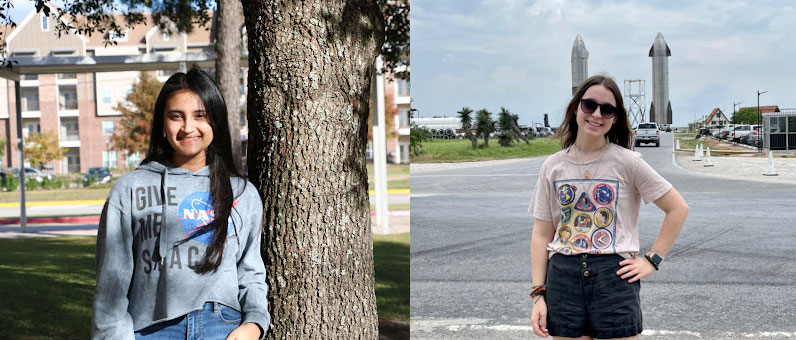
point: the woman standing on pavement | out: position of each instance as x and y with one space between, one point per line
585 256
178 245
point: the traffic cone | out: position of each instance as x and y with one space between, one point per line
677 144
770 171
697 155
708 162
701 151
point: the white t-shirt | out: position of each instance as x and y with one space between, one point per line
598 215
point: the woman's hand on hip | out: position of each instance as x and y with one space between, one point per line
635 269
246 331
539 317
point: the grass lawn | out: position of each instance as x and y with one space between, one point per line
397 176
391 258
56 195
460 150
49 285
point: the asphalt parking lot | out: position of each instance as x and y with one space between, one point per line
728 276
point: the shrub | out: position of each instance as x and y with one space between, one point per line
32 184
12 182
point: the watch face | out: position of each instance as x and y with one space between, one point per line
654 258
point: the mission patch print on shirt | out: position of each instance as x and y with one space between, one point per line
588 216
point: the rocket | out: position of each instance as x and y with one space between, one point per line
661 107
580 63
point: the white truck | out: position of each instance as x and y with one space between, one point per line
647 133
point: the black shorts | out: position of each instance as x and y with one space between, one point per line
585 297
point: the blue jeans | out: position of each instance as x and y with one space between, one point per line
213 321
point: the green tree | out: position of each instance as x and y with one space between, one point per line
417 135
467 121
310 67
42 148
132 131
2 148
747 115
484 125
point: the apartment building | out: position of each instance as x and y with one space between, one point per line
79 107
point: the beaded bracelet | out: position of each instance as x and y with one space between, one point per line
538 291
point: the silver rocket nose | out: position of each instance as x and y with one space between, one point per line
660 48
579 48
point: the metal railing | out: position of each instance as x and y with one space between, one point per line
68 104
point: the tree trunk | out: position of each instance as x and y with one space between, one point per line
310 65
469 134
228 68
518 133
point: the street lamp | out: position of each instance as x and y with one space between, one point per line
759 117
733 109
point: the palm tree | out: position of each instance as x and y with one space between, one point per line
484 125
505 138
508 124
515 126
464 116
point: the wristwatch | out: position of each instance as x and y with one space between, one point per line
654 258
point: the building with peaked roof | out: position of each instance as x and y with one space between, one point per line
716 117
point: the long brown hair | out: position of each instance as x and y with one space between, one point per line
619 134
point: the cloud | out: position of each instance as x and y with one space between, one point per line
517 53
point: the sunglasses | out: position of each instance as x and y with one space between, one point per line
588 106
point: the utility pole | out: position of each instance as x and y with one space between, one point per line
733 110
759 117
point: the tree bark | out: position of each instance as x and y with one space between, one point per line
310 64
228 33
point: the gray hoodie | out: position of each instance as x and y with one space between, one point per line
158 206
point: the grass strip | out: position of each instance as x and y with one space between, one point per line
460 150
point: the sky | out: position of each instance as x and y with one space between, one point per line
516 54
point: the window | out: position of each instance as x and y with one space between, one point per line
33 127
106 96
107 127
166 35
403 118
30 77
30 98
109 159
133 160
67 75
44 23
775 126
402 86
792 124
70 130
67 97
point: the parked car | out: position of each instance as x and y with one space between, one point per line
725 132
754 137
98 174
755 132
739 132
647 133
33 173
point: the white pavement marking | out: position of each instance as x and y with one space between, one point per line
479 324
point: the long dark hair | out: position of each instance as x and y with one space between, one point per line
619 134
219 155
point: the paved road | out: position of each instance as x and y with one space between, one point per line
730 275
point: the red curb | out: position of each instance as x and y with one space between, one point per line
53 219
